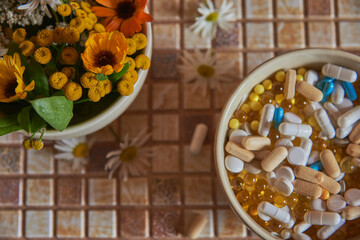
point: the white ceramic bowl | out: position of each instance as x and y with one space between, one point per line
313 58
113 111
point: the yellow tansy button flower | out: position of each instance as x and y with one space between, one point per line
78 23
19 35
27 48
142 61
69 56
37 144
99 28
58 35
73 91
132 46
94 94
93 17
131 76
70 35
69 72
140 40
125 87
74 5
42 55
89 24
80 13
88 80
64 10
44 38
58 80
86 6
131 61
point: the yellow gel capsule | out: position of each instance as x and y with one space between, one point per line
279 98
267 84
301 71
280 76
234 123
250 179
254 97
312 121
245 108
293 101
299 78
254 125
243 196
259 89
280 200
255 106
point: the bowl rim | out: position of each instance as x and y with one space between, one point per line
222 128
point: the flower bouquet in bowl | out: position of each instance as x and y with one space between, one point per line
69 68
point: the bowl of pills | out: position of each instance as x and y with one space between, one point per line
287 147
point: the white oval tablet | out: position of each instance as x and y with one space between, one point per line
296 156
271 178
284 186
253 167
234 164
318 204
285 172
284 143
237 135
292 118
311 76
341 176
352 196
336 203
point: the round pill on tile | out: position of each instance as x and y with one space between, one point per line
336 203
352 196
285 172
234 164
296 156
253 167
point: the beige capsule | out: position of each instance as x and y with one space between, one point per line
309 91
198 138
308 174
290 84
255 143
353 150
355 134
330 185
307 188
276 156
239 152
329 163
196 226
351 212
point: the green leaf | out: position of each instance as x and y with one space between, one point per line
24 119
101 77
50 67
9 129
36 72
116 76
8 120
57 111
13 48
37 123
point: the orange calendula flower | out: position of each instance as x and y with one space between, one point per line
12 86
105 52
124 15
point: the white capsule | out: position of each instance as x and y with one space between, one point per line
274 212
314 157
266 119
291 138
292 118
285 143
301 227
285 172
271 178
198 138
338 94
324 122
332 110
344 132
253 167
246 127
349 118
286 233
309 109
300 236
339 72
284 186
345 106
306 144
336 203
322 218
311 76
326 231
292 221
341 176
296 156
237 135
234 164
318 204
352 196
262 215
297 130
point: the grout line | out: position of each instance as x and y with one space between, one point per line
306 25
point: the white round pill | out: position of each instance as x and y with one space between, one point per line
284 186
285 172
352 196
336 203
234 164
297 156
237 135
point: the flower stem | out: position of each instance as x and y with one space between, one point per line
55 15
114 134
82 101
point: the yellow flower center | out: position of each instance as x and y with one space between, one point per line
81 150
212 17
128 154
206 71
125 10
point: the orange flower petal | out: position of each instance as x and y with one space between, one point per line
30 87
103 12
114 25
140 4
107 3
144 17
130 26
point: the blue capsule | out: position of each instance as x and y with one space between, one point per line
278 116
327 90
321 84
317 166
349 90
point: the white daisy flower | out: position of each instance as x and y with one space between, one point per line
32 5
204 70
75 150
131 158
211 18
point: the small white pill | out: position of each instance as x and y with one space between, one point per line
271 178
318 204
301 227
266 119
285 143
262 215
325 124
356 161
352 196
336 203
292 118
284 186
344 132
326 231
339 72
349 118
297 156
253 167
338 94
198 138
291 138
246 127
237 135
342 186
341 176
274 212
332 110
314 157
300 236
345 106
297 130
309 109
322 218
311 76
292 221
286 233
285 172
234 164
306 144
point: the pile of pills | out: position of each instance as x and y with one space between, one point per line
293 154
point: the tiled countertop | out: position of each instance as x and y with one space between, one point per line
43 197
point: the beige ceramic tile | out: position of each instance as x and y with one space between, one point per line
234 59
165 96
40 162
166 36
289 8
349 34
192 39
200 162
134 192
208 230
320 8
11 159
229 225
165 127
12 138
259 35
290 34
221 197
165 191
102 191
194 98
134 223
70 224
258 8
321 34
141 100
66 167
236 6
10 191
221 97
190 9
348 8
166 10
38 224
104 134
198 190
254 59
39 192
165 158
132 123
102 224
10 224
